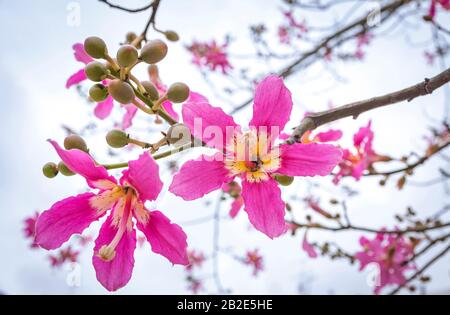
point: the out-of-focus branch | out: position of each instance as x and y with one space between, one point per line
421 270
119 7
349 227
412 166
315 120
340 36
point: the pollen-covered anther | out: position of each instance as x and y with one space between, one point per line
106 253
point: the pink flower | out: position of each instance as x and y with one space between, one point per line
194 285
445 4
308 248
355 163
63 256
391 253
292 28
210 55
114 247
251 156
234 190
255 260
30 228
81 56
196 259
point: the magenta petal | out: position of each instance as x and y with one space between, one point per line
83 164
308 159
236 205
76 78
272 105
198 177
195 97
209 123
103 109
308 248
364 137
265 209
143 175
81 54
166 238
168 107
329 135
65 218
116 273
130 112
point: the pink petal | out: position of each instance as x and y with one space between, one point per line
308 248
65 218
166 238
308 159
272 105
116 273
81 54
198 177
195 97
209 123
76 78
364 137
103 109
264 206
168 107
143 175
330 135
130 112
236 205
83 164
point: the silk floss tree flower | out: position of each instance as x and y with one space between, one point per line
253 155
113 258
392 255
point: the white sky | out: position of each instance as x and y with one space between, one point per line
35 61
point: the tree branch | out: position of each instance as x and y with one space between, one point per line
388 10
421 270
115 6
315 120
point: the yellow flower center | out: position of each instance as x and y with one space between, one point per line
251 156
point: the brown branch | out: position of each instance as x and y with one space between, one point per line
388 10
115 6
421 270
412 166
315 120
350 227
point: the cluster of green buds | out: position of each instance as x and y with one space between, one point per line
113 77
52 169
122 85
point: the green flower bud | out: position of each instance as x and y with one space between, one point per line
151 90
130 36
95 47
127 55
178 92
154 51
172 36
117 138
178 134
63 169
75 142
50 170
96 71
98 92
284 180
121 91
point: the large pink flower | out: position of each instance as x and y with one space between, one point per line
251 156
114 248
391 253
